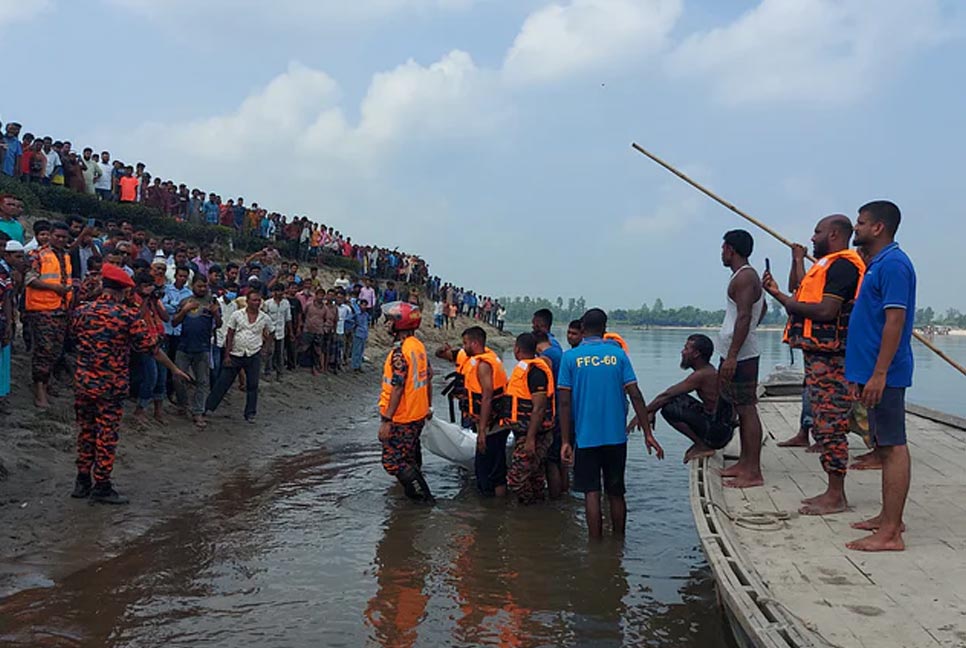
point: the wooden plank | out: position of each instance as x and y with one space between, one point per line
803 575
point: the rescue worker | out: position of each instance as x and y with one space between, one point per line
818 324
455 390
48 297
530 391
405 401
485 382
107 330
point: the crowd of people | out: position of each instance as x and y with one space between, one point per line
850 314
117 312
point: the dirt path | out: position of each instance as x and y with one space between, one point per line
165 470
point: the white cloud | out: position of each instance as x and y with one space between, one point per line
18 10
817 51
563 39
297 12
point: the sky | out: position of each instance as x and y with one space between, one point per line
493 137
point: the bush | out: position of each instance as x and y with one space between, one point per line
65 201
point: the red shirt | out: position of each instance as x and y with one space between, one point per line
129 188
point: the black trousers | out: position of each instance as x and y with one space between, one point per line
251 365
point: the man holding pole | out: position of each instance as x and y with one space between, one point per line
879 364
818 324
738 342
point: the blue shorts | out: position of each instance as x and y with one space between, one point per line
887 420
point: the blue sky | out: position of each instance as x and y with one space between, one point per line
493 137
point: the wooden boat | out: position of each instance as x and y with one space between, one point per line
787 581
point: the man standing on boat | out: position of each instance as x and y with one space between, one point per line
879 363
818 324
738 345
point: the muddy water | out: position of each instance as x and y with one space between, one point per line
322 549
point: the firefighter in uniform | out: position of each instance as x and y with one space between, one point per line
485 383
405 401
818 323
106 330
48 297
530 392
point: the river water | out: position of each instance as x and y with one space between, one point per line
321 549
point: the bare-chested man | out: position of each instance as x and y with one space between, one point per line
700 419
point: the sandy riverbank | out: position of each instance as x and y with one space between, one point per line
164 469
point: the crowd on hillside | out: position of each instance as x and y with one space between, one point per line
89 293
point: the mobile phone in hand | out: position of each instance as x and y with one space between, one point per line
767 265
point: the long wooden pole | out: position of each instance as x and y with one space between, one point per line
751 219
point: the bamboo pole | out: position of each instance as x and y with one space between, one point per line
754 221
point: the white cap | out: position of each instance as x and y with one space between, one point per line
14 246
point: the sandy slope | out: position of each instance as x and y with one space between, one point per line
163 469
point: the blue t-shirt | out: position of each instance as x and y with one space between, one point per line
889 282
596 373
555 355
14 148
196 329
211 212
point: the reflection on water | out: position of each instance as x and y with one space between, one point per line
322 549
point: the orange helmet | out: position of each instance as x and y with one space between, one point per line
403 315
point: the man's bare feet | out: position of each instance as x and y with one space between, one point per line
823 504
815 448
868 461
878 541
200 421
873 524
800 440
731 471
140 415
697 452
744 481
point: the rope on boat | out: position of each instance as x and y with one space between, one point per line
756 520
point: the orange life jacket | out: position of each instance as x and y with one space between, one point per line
414 404
51 271
827 337
617 338
520 397
474 389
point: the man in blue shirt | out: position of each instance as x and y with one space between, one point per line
594 379
878 363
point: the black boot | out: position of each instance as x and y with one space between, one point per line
82 487
104 493
415 485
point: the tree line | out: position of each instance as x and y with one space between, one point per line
520 309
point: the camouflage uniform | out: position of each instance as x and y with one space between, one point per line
106 331
527 475
403 448
828 395
48 334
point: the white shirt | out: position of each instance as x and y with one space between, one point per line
104 182
53 161
344 312
342 283
248 335
32 245
281 313
227 308
438 308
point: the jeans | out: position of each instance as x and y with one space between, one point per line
251 365
274 360
217 354
104 194
153 374
196 365
358 347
